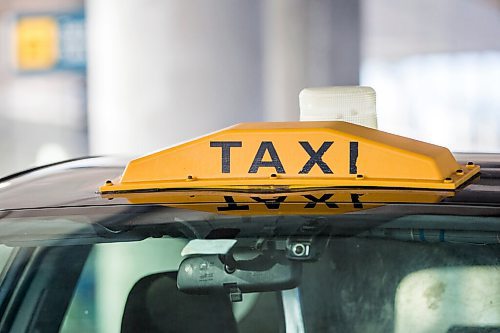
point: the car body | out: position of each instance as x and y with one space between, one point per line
76 260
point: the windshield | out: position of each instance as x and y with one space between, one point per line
156 269
4 256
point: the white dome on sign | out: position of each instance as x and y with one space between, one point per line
352 104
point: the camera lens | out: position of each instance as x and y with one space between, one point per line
229 269
298 249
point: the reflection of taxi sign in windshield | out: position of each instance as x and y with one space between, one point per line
295 155
326 201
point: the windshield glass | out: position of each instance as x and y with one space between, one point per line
4 256
134 269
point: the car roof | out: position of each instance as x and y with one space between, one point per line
76 182
64 184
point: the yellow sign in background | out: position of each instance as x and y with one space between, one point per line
37 43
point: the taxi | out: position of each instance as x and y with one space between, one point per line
311 226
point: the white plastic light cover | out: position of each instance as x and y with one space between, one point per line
353 104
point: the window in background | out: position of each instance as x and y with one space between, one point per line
447 99
436 68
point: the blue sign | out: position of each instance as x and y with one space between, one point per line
72 43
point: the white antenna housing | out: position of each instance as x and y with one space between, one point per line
353 104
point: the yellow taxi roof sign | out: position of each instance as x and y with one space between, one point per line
295 155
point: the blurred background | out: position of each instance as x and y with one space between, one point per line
127 77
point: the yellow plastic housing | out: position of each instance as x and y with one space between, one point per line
295 155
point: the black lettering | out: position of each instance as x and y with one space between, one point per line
323 199
315 157
353 157
275 160
226 152
355 200
231 205
273 203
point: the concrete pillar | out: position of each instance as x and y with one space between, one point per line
307 44
161 72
